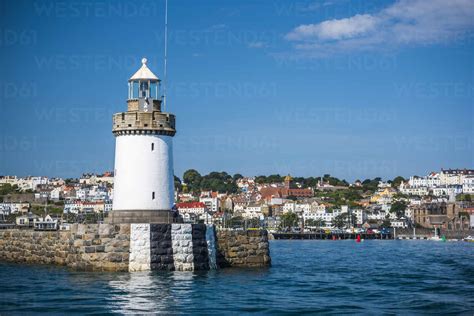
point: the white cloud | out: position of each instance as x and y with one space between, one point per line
334 29
416 22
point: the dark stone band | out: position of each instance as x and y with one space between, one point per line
143 217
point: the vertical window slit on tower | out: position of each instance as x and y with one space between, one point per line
152 146
152 195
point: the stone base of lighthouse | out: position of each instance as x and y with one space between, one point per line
143 216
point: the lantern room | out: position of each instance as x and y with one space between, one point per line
144 84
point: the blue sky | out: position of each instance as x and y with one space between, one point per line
356 89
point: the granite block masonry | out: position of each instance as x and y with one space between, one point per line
137 247
243 248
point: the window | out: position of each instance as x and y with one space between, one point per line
152 195
152 146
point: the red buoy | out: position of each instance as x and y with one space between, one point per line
358 238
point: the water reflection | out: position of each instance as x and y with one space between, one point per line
141 292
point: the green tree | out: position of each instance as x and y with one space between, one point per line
289 220
386 222
310 222
463 197
237 176
344 219
398 207
339 221
371 185
192 178
397 181
7 188
177 184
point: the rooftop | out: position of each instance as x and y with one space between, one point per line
144 73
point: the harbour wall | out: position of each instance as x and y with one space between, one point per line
137 247
243 248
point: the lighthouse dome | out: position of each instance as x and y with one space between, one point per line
144 73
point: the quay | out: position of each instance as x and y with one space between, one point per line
331 236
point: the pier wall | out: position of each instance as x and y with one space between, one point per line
137 247
243 248
84 247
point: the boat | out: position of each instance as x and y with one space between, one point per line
469 239
437 238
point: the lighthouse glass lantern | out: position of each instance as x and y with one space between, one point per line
144 177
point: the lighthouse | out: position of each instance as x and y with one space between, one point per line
144 178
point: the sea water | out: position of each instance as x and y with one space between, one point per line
306 276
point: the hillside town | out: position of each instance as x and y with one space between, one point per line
441 199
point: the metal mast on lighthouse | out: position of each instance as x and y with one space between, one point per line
165 72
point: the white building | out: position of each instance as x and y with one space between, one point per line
468 185
212 203
454 176
82 193
196 208
143 175
315 206
45 223
448 190
413 189
399 223
289 207
303 207
326 216
15 207
56 193
253 211
361 216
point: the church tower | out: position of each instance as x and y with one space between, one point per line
144 177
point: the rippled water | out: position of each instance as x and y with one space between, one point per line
306 277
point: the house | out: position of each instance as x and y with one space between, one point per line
56 193
448 190
185 197
26 221
413 190
15 207
429 214
279 191
399 223
211 200
253 211
206 218
196 208
468 184
454 176
383 195
189 217
361 216
46 223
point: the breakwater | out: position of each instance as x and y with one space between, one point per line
137 247
330 236
243 248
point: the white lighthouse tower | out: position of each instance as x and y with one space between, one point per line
144 178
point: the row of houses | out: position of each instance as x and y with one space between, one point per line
87 206
445 182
